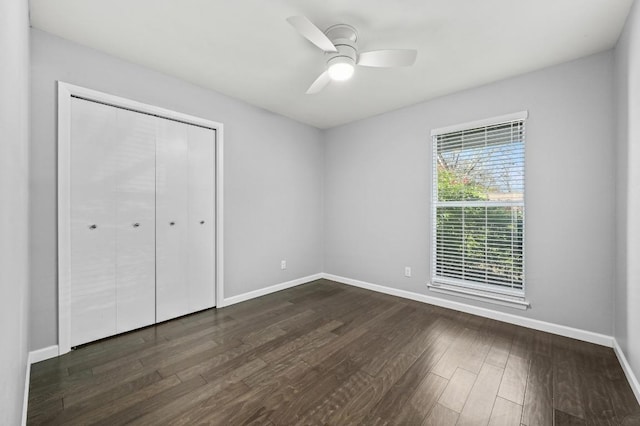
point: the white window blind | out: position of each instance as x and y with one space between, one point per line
478 207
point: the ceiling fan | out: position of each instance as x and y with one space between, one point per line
339 45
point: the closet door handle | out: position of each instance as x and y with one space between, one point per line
93 226
171 223
202 222
135 225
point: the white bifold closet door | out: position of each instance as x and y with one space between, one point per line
185 227
93 231
172 160
201 226
112 221
136 221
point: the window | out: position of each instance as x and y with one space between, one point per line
478 210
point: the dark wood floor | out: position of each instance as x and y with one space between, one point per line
325 353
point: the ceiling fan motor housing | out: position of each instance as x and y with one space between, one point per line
344 37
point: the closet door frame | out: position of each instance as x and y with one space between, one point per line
67 91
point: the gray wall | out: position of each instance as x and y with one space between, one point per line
14 214
377 189
627 288
273 174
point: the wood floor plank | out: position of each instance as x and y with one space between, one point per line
211 362
441 416
209 408
74 407
430 329
477 409
597 403
111 408
538 399
159 350
284 404
542 343
505 413
173 354
192 364
154 403
267 319
47 374
41 413
473 359
455 354
333 373
354 318
514 380
424 398
265 394
338 398
413 338
457 390
84 383
113 390
499 353
40 394
360 405
255 309
317 296
203 322
345 305
300 342
344 339
222 384
299 321
566 384
393 400
105 354
561 418
272 397
622 399
329 354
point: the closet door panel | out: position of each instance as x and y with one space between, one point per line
93 249
135 216
172 296
201 242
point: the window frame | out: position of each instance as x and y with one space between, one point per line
476 290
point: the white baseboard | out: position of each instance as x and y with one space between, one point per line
268 290
574 333
626 367
43 354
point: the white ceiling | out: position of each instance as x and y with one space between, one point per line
246 48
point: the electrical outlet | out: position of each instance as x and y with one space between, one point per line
283 264
407 271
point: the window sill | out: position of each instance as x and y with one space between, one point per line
497 299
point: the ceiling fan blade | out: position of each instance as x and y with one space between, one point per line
388 58
319 83
312 33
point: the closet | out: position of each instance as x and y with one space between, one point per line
142 219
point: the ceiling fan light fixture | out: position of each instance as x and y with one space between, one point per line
340 71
